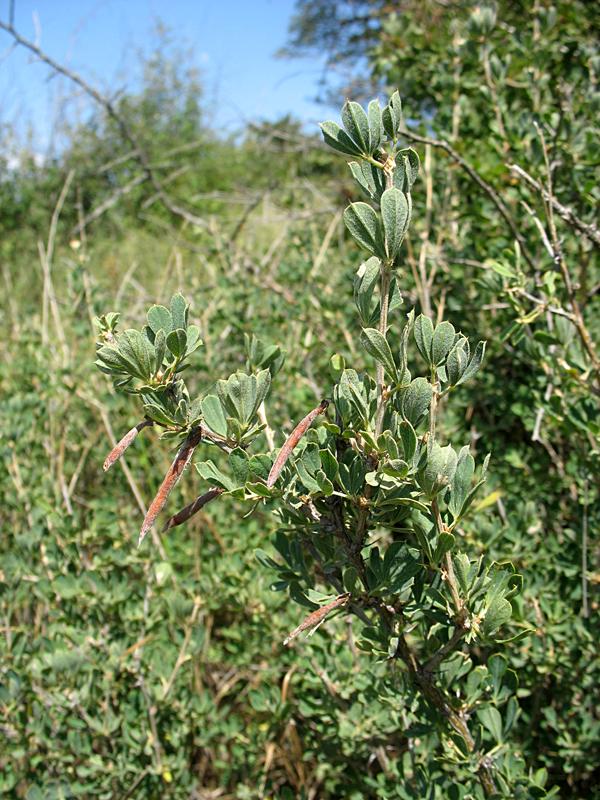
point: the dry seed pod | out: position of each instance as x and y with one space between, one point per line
318 616
118 450
182 459
193 508
293 440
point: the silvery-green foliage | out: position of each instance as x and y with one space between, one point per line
370 499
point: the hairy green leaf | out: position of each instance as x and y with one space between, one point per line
395 215
365 227
376 345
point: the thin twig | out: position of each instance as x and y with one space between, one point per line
181 656
108 203
590 231
584 553
450 646
483 184
560 262
123 126
424 682
46 256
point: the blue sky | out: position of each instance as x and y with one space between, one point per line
233 44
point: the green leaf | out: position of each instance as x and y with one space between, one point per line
160 345
337 364
193 339
265 559
497 666
375 126
497 614
179 311
213 414
462 568
376 345
409 439
351 580
111 357
395 214
457 361
210 472
392 116
352 473
407 169
445 544
260 465
352 397
416 400
338 139
263 384
423 332
365 282
439 469
136 349
461 484
365 227
307 477
242 394
499 268
238 461
356 124
177 342
370 179
474 364
158 414
491 720
159 318
442 341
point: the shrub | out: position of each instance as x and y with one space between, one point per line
372 503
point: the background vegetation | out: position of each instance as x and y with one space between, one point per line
161 673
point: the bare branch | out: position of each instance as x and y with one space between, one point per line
591 232
483 184
108 106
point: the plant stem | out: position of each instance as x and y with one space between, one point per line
386 279
433 409
449 567
384 305
423 680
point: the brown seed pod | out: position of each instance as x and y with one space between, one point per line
118 450
293 440
182 459
193 508
318 616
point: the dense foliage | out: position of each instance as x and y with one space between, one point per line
161 671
